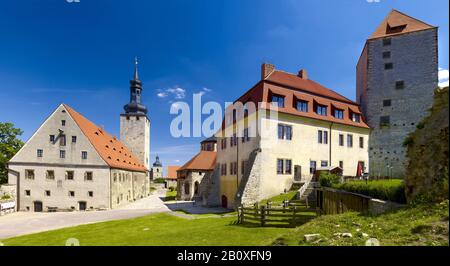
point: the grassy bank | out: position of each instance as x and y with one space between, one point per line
411 226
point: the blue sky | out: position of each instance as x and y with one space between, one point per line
82 54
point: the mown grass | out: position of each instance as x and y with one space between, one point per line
280 198
392 189
170 195
156 230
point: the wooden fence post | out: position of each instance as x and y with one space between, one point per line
263 215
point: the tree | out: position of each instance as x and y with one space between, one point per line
9 146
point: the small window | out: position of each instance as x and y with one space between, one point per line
284 132
288 167
399 85
387 103
278 100
63 123
62 154
27 192
325 137
40 153
280 164
302 106
88 176
74 139
312 167
321 110
387 42
388 66
50 175
356 117
350 141
339 114
62 140
84 155
320 136
341 140
385 121
91 194
52 138
361 142
128 118
29 174
48 193
386 55
323 163
70 175
341 164
71 194
137 118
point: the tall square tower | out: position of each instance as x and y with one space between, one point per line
396 76
134 123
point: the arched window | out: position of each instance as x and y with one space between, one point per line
196 185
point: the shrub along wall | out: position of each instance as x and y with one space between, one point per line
392 190
427 151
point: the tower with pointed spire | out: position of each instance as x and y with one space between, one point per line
157 169
395 79
134 122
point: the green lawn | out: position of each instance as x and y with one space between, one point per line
170 195
280 198
157 230
413 225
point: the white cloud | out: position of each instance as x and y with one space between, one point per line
162 94
204 91
176 92
443 77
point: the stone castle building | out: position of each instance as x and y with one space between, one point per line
70 163
396 76
194 177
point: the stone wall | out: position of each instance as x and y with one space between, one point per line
377 206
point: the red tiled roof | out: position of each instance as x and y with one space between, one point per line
172 172
397 23
204 160
110 149
294 81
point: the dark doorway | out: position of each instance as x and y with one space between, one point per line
82 205
38 206
224 201
297 173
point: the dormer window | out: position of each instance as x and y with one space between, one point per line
302 106
356 117
278 100
339 114
322 110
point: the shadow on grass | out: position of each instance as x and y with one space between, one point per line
299 221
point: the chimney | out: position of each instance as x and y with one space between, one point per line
303 74
266 70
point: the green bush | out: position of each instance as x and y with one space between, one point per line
159 181
5 197
392 190
329 180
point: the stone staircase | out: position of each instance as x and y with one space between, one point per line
307 193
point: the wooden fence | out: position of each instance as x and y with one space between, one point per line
291 213
332 201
